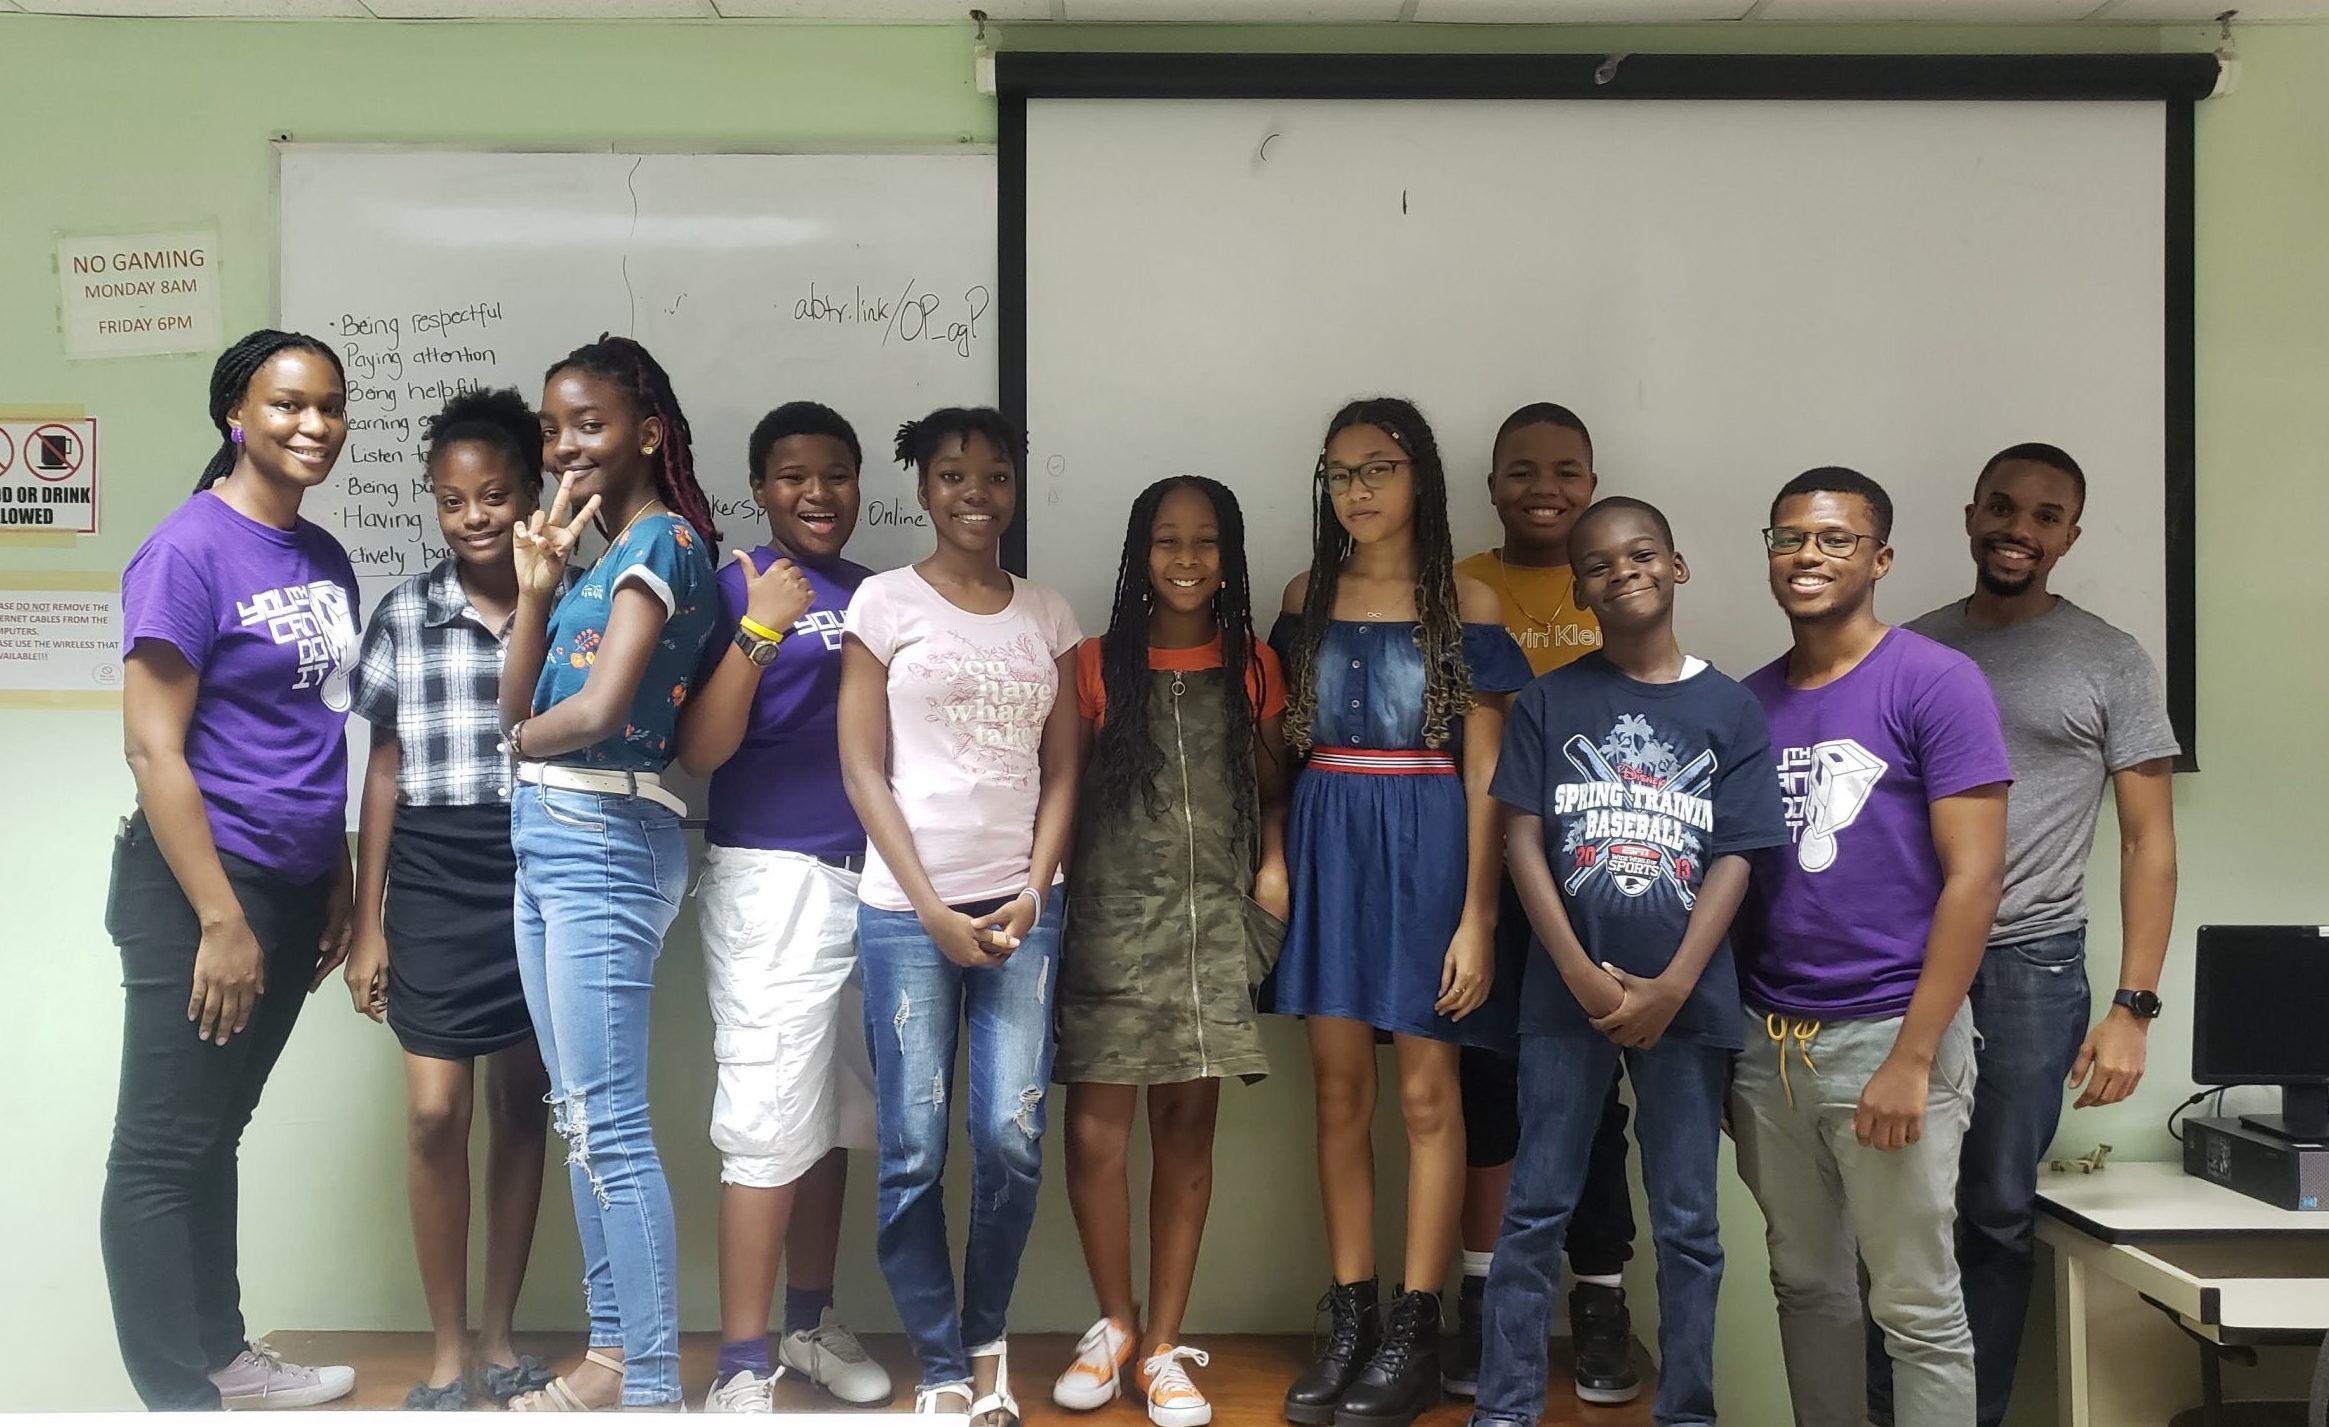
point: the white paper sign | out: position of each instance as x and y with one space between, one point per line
60 641
48 476
139 295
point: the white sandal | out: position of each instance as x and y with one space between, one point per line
926 1399
999 1400
556 1396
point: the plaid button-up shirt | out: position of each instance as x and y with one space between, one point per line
430 672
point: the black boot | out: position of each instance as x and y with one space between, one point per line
1349 1343
1401 1381
1459 1371
1602 1332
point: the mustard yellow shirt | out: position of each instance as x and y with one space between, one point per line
1540 608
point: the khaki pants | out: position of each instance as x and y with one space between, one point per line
1831 1205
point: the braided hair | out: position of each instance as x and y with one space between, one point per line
230 382
631 367
497 420
1439 631
1125 760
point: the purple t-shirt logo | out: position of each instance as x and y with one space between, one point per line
315 617
1826 786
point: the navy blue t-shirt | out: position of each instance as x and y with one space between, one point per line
1641 786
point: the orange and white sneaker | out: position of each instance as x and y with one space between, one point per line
1097 1374
1173 1400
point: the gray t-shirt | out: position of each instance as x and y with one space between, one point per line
2081 701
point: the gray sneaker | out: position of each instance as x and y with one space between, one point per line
259 1380
830 1356
744 1392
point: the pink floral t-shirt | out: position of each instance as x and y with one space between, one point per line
969 694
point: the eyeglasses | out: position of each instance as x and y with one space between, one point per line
1337 479
1786 540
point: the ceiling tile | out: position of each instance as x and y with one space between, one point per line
1961 12
883 11
201 9
1578 12
1233 12
541 9
2160 12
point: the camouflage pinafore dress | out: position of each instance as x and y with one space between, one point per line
1163 945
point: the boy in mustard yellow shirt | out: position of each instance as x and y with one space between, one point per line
1540 480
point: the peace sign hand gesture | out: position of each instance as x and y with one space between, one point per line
775 597
543 541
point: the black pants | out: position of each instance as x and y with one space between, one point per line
167 1225
1601 1232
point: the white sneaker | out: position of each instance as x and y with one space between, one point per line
1173 1400
1097 1374
830 1356
746 1391
259 1380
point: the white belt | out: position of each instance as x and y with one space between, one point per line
603 780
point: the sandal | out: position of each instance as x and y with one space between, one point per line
926 1402
504 1381
998 1408
452 1397
556 1396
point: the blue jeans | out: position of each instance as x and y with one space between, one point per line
1678 1097
599 881
2030 1006
916 1003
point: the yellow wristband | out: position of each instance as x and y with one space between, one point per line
758 630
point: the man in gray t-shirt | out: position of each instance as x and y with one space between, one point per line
2082 707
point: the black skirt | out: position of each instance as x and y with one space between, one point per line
453 989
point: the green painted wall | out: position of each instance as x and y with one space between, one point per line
116 125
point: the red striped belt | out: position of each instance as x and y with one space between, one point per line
1382 760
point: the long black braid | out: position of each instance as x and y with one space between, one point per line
230 382
1125 760
1439 631
630 366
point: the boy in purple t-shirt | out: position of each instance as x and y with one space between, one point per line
782 854
1859 944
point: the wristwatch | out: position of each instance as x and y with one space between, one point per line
2142 1005
758 648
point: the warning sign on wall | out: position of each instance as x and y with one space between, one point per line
139 295
48 476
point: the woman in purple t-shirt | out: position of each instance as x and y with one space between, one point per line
230 884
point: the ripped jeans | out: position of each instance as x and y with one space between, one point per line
916 1002
599 882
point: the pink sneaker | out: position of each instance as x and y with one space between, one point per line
260 1380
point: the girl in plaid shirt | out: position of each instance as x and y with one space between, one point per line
435 955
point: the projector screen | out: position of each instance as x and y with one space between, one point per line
1727 292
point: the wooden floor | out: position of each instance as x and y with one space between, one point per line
1247 1379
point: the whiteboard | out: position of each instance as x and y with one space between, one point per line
1728 293
864 281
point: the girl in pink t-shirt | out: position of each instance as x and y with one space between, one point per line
960 758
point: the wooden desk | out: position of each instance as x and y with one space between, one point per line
2229 1270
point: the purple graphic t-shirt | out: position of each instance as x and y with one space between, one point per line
1835 924
781 791
267 618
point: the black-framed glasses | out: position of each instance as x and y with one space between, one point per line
1372 475
1786 540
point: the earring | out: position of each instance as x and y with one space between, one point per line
235 434
646 450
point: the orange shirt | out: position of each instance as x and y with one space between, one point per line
1265 683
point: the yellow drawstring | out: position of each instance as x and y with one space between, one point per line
1779 1028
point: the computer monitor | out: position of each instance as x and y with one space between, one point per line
2260 1016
